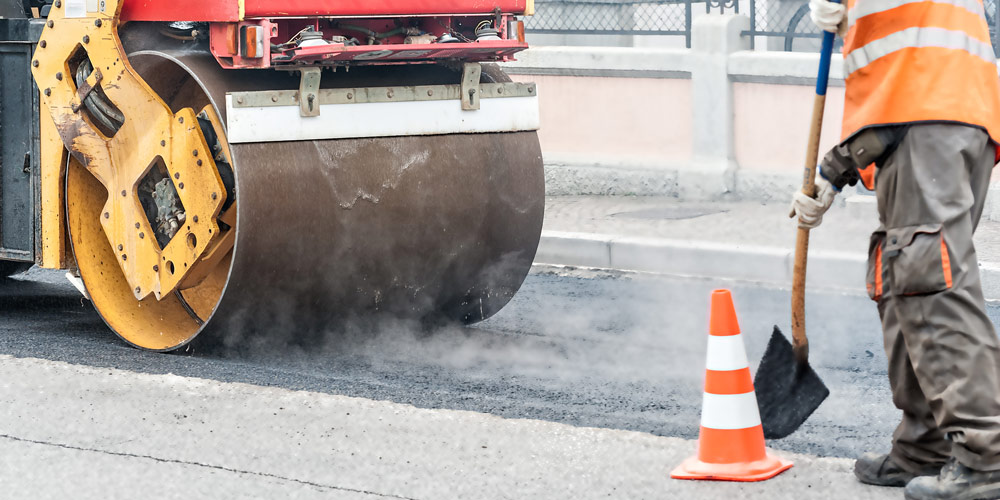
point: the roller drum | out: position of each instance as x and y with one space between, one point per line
331 231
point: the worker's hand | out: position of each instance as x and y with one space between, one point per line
829 16
810 210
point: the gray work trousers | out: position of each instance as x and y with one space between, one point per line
944 361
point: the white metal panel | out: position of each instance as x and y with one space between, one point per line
390 119
75 9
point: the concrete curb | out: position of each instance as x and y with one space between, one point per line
699 259
839 271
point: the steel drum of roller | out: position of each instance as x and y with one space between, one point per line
326 231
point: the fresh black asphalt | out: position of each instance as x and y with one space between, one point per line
586 348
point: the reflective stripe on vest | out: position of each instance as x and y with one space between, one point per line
868 7
916 38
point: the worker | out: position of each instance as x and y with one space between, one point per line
921 124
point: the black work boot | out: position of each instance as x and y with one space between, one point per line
881 470
955 482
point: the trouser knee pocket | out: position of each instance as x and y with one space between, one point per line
918 259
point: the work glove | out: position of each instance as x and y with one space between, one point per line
810 210
829 16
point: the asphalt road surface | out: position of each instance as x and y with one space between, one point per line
585 348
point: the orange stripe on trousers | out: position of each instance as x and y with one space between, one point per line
945 263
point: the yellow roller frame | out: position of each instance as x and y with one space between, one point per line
151 131
55 247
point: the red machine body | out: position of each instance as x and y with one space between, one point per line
268 33
229 10
266 8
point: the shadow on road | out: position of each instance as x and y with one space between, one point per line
24 297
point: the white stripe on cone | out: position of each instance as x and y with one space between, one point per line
730 411
726 353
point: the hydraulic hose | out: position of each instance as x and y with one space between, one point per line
99 109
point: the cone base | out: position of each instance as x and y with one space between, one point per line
760 470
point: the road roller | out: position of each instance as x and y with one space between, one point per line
220 170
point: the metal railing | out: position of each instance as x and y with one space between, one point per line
612 17
784 25
780 24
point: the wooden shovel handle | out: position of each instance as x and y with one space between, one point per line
800 343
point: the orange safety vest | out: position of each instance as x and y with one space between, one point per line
908 61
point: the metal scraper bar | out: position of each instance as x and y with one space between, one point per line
272 98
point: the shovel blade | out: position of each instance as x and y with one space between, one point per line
787 391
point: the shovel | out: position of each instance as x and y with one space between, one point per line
788 389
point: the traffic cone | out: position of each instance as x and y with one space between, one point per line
731 440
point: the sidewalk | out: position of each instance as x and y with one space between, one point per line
70 431
725 240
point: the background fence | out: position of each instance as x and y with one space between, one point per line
612 17
778 24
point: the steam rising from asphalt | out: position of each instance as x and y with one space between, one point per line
649 333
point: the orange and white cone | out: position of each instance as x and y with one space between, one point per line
731 440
